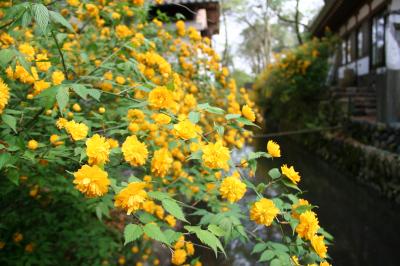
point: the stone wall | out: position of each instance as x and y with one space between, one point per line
379 135
373 166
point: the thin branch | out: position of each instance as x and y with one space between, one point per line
61 54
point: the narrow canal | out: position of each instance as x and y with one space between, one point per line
365 225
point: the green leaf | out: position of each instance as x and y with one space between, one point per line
96 94
158 195
216 230
220 129
246 122
62 97
81 90
210 109
194 117
279 246
58 18
256 155
4 159
171 235
207 238
259 247
276 262
132 232
13 176
232 116
174 209
41 15
153 231
146 218
10 121
266 256
47 97
290 184
6 56
274 173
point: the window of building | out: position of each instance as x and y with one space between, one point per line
344 52
378 41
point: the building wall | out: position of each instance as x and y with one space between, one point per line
370 55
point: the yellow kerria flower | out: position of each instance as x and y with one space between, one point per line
33 144
42 62
135 152
78 131
161 119
170 220
232 189
161 97
263 212
273 149
318 244
185 129
57 77
4 95
308 225
248 113
97 149
92 181
178 257
302 202
161 162
132 197
290 173
216 156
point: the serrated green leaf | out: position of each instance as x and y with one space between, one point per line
6 56
276 262
174 209
4 159
47 97
259 247
216 230
153 231
158 195
10 121
132 232
246 122
41 15
96 94
171 235
266 256
58 18
81 90
290 184
62 97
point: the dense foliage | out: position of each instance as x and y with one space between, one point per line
116 141
293 86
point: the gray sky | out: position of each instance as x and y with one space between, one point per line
235 28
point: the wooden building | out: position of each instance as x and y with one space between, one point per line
366 68
201 14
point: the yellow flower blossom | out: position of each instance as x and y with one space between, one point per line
57 77
248 113
132 197
161 162
135 152
308 225
92 181
178 257
290 173
97 150
232 189
185 129
263 212
78 131
33 144
216 156
4 95
161 97
318 244
273 149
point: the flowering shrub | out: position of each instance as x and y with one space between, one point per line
107 114
294 83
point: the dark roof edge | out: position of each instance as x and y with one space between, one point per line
319 23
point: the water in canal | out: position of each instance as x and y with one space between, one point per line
365 225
